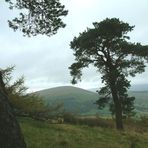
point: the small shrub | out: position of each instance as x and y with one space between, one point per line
144 120
133 145
63 142
70 118
95 121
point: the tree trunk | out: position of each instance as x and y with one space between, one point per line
10 133
118 108
118 114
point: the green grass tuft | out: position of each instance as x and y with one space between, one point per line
43 135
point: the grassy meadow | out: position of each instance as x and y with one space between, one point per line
40 134
83 129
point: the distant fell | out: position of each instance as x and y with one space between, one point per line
74 99
62 90
134 87
81 101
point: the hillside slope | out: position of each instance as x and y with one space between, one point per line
68 91
141 101
82 101
74 99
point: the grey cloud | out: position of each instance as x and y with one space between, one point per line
44 61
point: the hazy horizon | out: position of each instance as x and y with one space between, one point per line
140 87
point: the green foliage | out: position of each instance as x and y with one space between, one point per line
127 105
40 134
70 118
25 104
37 16
22 103
106 47
13 87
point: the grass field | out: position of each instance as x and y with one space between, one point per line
44 135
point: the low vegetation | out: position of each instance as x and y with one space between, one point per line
40 134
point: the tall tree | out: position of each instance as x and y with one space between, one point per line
36 17
107 48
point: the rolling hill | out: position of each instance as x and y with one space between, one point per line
141 101
82 101
74 99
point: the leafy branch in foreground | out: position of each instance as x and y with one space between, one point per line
22 102
37 16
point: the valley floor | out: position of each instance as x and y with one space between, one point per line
44 135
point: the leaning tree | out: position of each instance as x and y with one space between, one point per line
107 48
36 17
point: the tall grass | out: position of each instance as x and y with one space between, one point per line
44 135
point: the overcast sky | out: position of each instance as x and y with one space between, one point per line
44 61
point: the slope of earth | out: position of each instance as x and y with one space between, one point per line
74 99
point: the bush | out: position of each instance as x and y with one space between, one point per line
96 121
70 118
90 121
144 123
